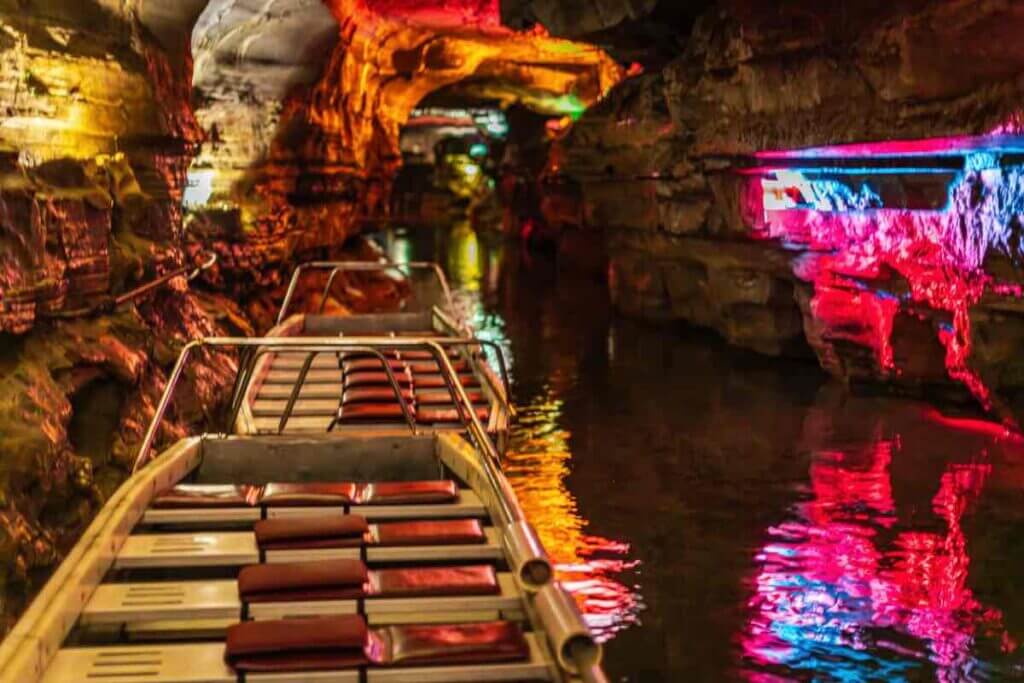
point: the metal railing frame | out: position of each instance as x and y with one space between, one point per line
337 267
508 509
244 377
109 304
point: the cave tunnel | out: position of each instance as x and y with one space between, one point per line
711 311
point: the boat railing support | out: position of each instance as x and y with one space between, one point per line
577 651
338 267
161 409
254 348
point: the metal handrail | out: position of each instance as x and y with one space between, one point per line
109 304
508 508
370 345
244 376
503 393
358 266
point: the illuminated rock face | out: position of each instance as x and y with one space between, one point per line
95 139
97 134
654 166
304 103
136 135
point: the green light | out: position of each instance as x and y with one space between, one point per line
478 150
571 106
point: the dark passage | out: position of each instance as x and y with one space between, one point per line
725 517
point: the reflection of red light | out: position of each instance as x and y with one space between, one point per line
983 427
441 13
829 579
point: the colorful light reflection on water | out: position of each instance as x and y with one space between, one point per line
856 585
539 457
786 530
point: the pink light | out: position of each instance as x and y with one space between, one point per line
943 146
844 568
937 256
479 14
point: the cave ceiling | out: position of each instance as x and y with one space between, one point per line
264 69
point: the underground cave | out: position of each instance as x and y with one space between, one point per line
511 340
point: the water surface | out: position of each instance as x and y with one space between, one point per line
722 516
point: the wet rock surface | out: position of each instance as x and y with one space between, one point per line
651 168
137 139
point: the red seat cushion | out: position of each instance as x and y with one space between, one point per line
423 532
433 581
365 378
350 580
373 364
374 412
374 395
308 494
345 642
328 531
445 397
407 492
414 365
437 381
295 581
487 643
314 644
430 367
207 496
426 355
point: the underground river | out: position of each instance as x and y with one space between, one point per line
722 516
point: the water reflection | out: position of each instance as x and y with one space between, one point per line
729 517
856 584
539 456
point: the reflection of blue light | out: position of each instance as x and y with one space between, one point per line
981 161
793 190
478 150
877 170
492 121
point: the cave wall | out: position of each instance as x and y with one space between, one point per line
138 136
654 169
96 135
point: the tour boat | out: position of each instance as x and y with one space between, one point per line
344 553
289 392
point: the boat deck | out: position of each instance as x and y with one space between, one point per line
414 564
356 392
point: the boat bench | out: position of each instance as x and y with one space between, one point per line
357 413
372 378
339 649
378 394
421 594
373 364
289 539
190 504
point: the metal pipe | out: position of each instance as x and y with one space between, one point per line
294 396
109 304
246 366
292 286
509 509
161 408
360 266
476 430
503 369
327 290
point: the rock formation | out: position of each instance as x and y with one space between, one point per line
136 138
657 168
